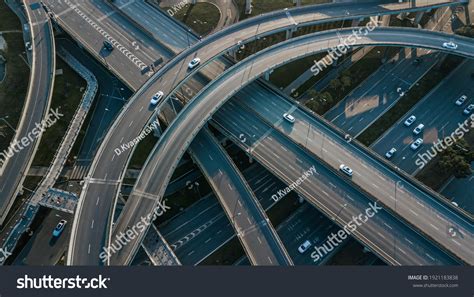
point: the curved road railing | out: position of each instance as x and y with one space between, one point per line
193 117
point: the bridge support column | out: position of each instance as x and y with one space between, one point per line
418 17
250 159
248 6
385 21
297 2
267 75
355 23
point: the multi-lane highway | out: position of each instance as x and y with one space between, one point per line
440 115
253 228
104 179
38 99
195 114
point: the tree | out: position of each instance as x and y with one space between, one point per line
335 84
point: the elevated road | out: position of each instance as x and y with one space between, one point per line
253 228
193 117
106 172
40 90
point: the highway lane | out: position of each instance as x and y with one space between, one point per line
437 112
381 91
166 154
161 26
135 115
40 89
94 22
255 231
386 235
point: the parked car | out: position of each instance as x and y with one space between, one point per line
416 144
156 98
410 121
289 117
450 45
461 100
108 46
418 129
390 153
194 62
469 109
59 228
304 246
346 169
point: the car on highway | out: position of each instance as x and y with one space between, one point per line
304 246
194 62
346 169
108 46
156 98
417 61
28 46
461 100
469 109
59 228
418 129
289 117
450 45
410 121
390 153
416 144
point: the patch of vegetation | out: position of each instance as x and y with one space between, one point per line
467 31
454 161
264 6
15 84
340 87
413 96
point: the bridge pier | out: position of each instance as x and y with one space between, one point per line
418 17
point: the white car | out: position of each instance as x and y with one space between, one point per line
390 153
289 117
194 62
410 121
418 129
416 144
450 45
346 169
156 98
469 109
461 100
304 246
28 46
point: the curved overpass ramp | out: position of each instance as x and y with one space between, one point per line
102 184
38 99
193 117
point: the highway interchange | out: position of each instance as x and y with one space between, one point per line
283 149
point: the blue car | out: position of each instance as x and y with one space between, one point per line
59 228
